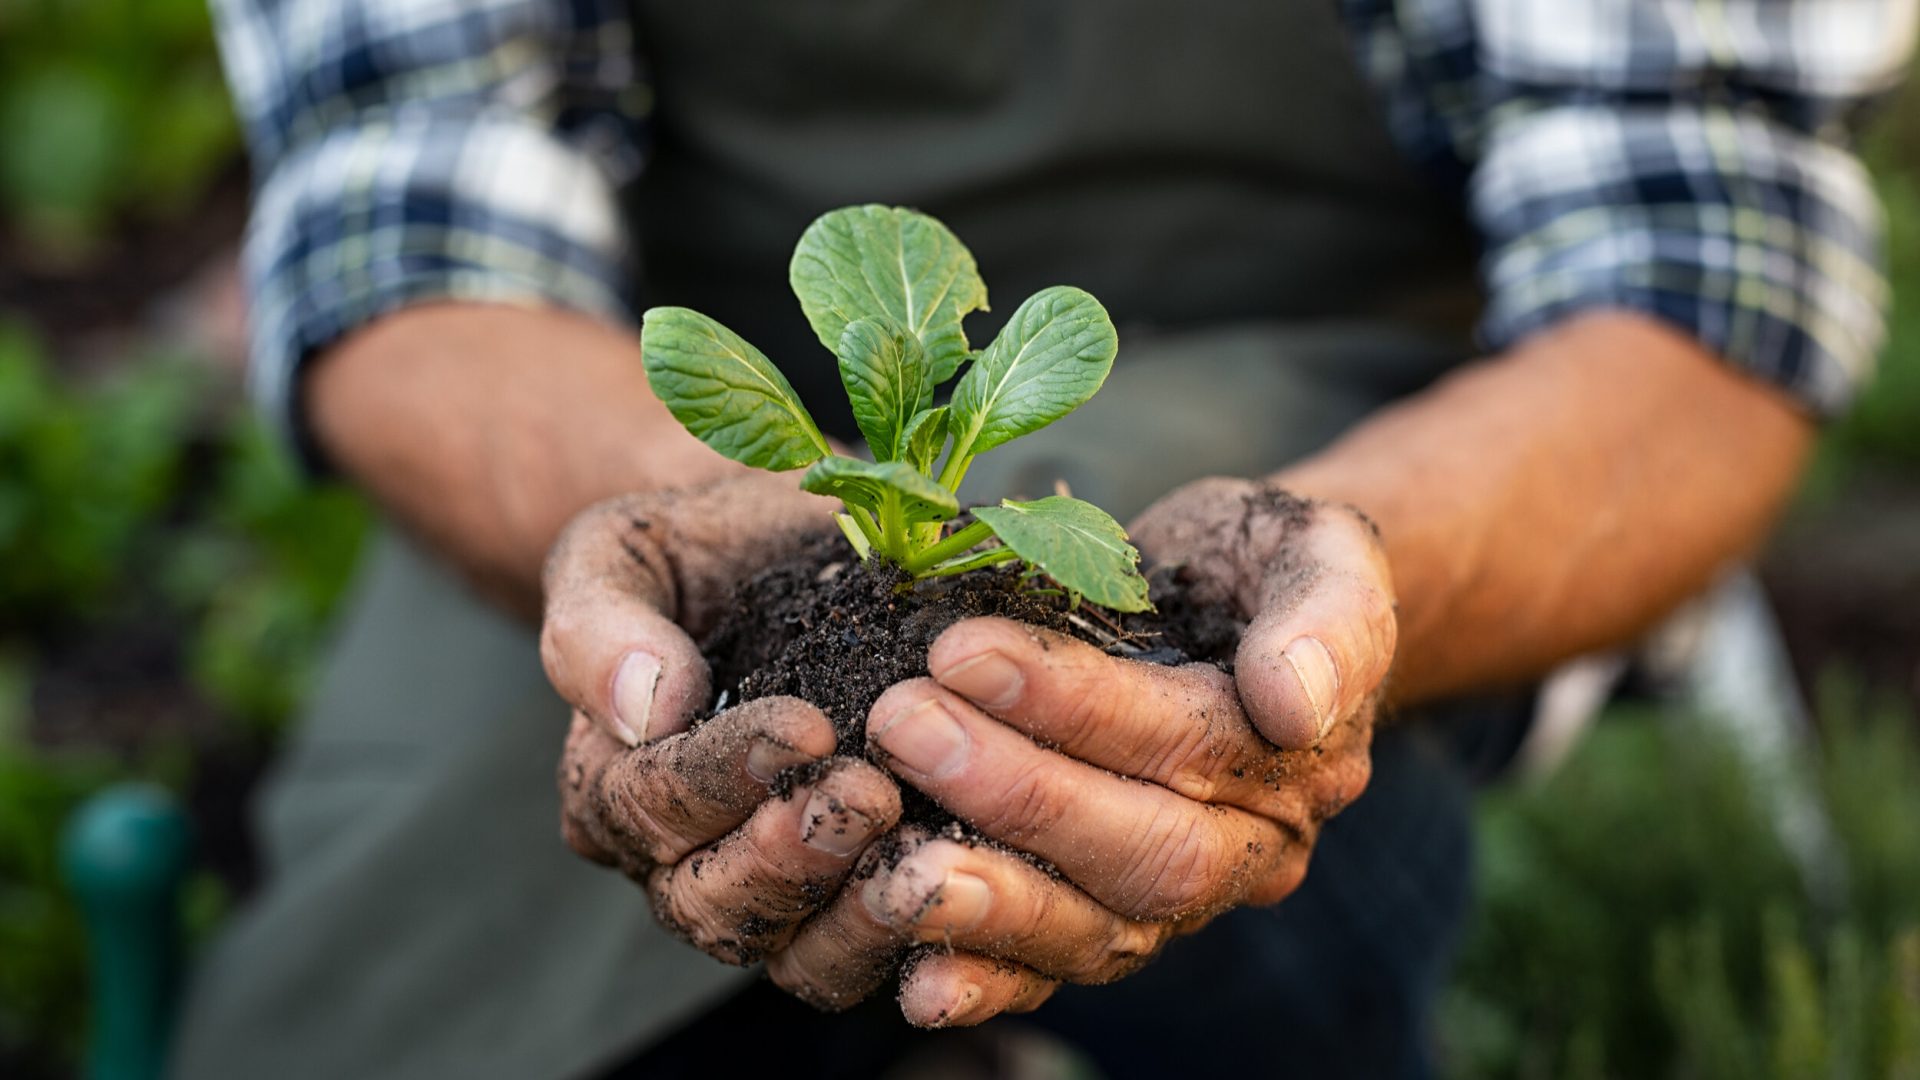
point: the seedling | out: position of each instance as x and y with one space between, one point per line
885 289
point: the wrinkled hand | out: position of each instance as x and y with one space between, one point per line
1043 743
691 815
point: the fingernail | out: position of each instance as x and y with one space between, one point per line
966 996
766 759
962 902
633 687
1313 665
990 679
925 738
874 895
832 826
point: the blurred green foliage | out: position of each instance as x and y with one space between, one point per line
1639 916
107 108
149 497
149 490
43 977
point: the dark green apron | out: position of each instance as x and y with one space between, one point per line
1216 172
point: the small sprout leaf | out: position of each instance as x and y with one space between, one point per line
885 262
1078 544
726 392
869 484
888 381
925 437
1046 362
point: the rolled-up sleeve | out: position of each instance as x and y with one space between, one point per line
1691 161
415 150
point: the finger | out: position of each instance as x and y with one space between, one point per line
1324 637
744 895
844 953
1138 848
940 989
1182 727
587 754
984 900
656 803
608 639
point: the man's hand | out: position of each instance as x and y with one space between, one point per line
1162 796
691 814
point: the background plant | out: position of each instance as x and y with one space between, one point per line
108 109
1639 917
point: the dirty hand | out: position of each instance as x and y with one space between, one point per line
691 815
1042 742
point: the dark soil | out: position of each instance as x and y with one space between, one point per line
828 629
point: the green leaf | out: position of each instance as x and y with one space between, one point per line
869 484
726 392
925 437
873 261
888 381
1048 360
1078 544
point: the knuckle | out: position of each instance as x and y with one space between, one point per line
629 819
1285 879
1030 804
777 890
1179 871
1079 702
687 913
1125 951
1220 487
557 629
1342 784
1033 995
1191 759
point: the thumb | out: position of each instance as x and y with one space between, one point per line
1323 636
608 639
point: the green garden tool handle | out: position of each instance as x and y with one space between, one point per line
125 855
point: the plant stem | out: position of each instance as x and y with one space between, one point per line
893 529
864 519
850 528
971 562
959 543
955 470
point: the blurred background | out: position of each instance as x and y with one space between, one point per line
166 582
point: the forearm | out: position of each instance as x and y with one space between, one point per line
485 428
1561 497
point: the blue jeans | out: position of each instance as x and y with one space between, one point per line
1338 980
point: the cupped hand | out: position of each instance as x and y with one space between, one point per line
731 853
1154 797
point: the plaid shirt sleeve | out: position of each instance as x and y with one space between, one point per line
1687 160
410 150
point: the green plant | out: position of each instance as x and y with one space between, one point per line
885 289
1641 917
109 110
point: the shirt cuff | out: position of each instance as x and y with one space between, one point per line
415 206
1761 242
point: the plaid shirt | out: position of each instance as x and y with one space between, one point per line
1685 159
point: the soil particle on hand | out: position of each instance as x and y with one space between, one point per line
836 632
